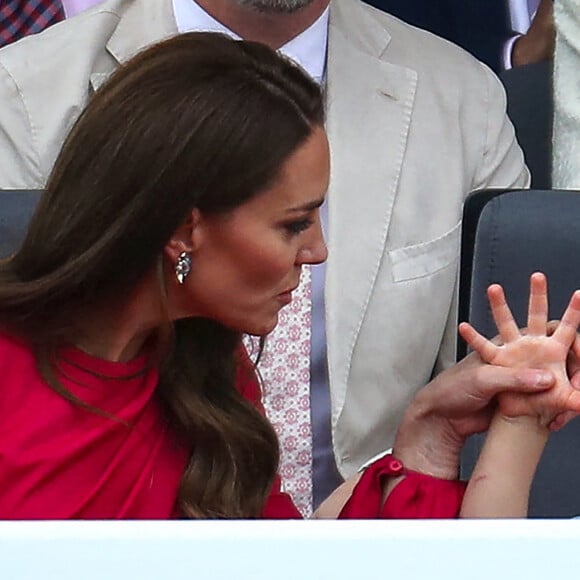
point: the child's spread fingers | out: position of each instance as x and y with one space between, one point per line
538 305
485 348
566 331
502 315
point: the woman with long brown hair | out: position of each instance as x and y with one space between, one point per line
178 217
175 219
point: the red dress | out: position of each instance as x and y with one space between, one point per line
59 461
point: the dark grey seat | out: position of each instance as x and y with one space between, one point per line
16 209
507 236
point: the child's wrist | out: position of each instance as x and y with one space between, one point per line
526 423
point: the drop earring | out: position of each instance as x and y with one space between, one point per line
183 267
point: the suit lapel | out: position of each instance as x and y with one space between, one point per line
370 102
141 24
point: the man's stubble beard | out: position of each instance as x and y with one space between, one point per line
274 6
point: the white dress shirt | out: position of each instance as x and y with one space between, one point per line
72 7
308 49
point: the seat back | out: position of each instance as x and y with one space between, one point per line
507 236
16 209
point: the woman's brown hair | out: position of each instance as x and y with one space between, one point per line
197 121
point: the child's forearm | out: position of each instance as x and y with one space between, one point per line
501 480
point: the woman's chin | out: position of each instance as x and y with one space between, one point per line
262 328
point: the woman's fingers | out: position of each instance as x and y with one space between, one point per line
573 402
538 305
485 348
502 315
561 420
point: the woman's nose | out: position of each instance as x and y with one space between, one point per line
319 253
315 251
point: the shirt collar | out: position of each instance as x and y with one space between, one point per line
308 49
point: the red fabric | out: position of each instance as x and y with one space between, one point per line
279 505
416 496
59 461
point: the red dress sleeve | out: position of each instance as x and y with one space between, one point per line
417 496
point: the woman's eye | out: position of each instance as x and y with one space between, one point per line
297 227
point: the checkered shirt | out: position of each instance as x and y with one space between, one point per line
21 17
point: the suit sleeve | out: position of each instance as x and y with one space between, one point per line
502 160
19 165
500 163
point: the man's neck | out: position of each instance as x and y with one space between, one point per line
275 30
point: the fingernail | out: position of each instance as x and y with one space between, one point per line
544 379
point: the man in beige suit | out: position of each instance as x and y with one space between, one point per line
414 124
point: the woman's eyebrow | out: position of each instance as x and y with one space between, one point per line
307 206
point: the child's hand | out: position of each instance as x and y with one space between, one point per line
535 349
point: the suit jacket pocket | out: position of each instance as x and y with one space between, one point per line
426 258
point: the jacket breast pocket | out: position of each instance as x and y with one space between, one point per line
426 258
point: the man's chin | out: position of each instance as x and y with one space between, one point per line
275 6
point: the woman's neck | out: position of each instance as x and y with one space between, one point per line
119 333
118 348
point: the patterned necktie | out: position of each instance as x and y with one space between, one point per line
285 371
21 17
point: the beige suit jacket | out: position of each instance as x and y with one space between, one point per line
414 125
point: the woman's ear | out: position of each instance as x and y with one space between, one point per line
186 238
